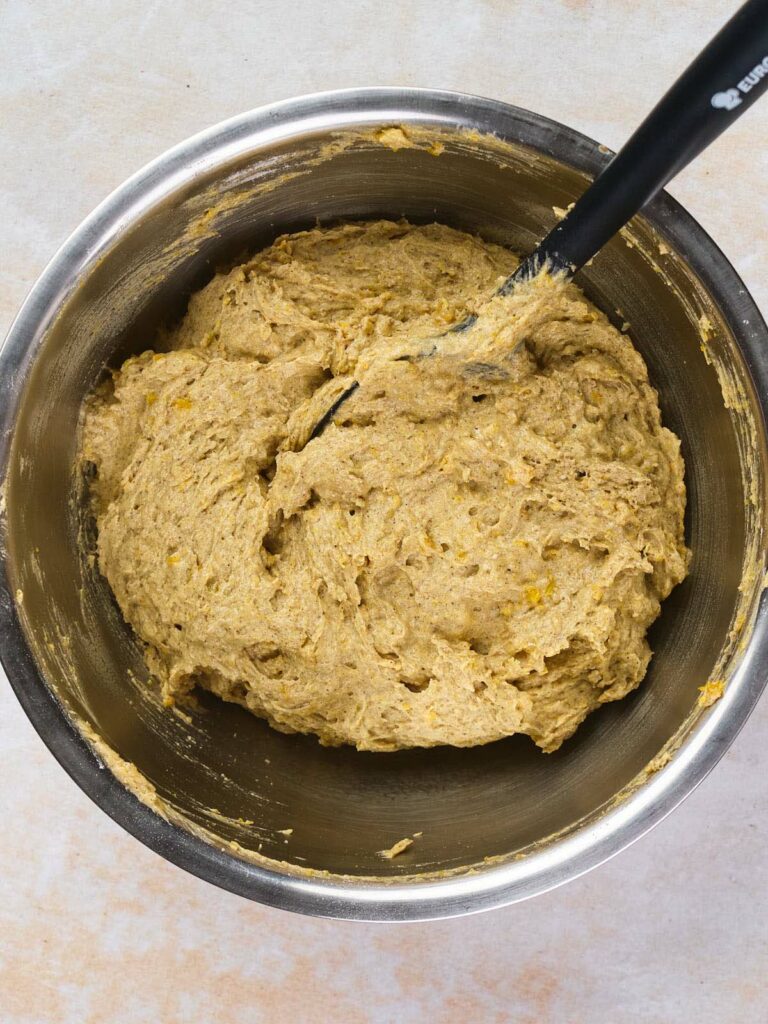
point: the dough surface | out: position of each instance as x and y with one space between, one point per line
474 547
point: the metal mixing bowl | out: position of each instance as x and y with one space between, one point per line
524 821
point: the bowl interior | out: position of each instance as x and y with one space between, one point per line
222 769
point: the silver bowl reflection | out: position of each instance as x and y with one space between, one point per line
523 822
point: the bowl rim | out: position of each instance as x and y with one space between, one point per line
333 896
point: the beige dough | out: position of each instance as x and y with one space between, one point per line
463 554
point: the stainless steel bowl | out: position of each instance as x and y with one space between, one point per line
523 822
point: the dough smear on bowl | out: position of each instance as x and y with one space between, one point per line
466 552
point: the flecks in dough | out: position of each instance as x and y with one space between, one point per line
475 546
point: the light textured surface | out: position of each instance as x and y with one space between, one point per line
94 927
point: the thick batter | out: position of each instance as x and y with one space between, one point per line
468 551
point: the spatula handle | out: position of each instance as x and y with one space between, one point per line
722 82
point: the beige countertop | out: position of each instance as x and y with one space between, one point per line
96 928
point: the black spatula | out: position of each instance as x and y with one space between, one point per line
722 82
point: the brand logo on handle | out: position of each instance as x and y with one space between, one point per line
729 99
